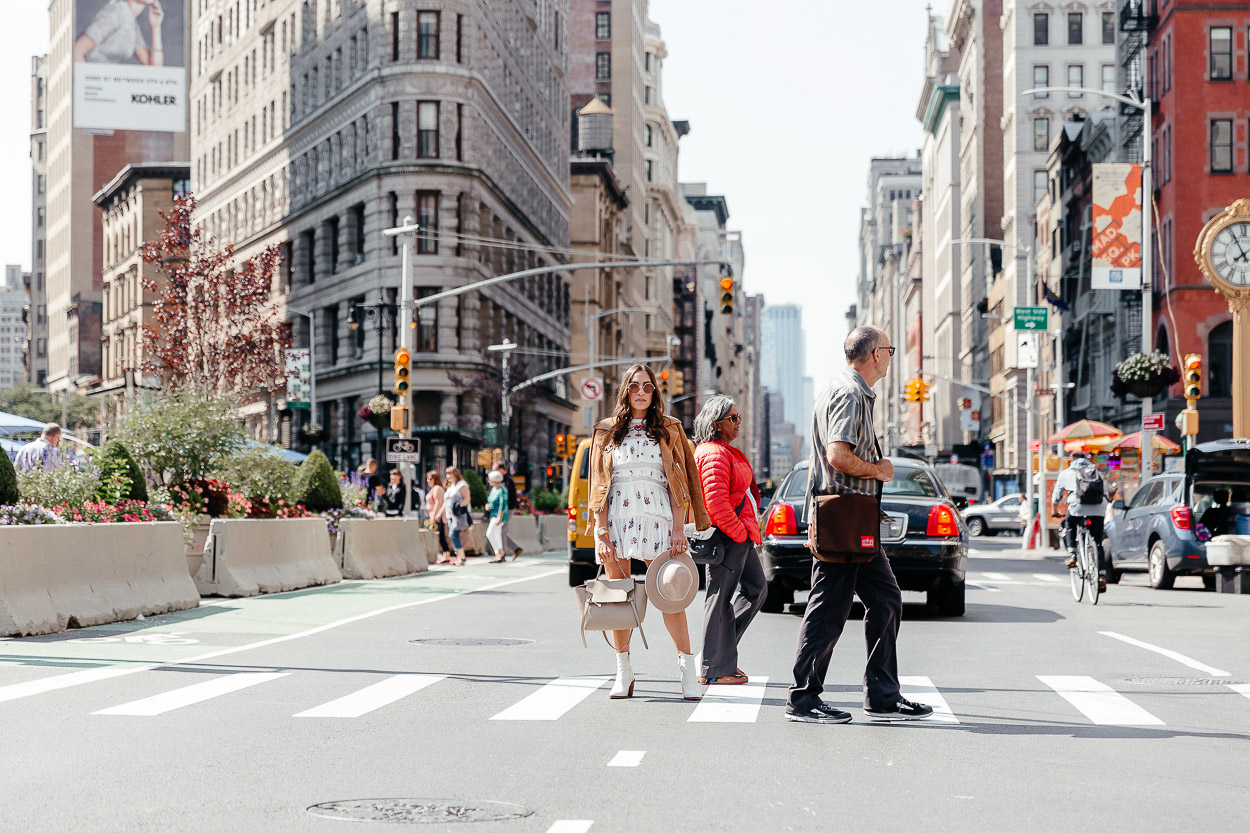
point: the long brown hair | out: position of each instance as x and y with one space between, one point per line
655 411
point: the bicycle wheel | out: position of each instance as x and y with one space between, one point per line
1075 576
1090 558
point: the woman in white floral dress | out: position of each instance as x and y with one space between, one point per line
644 482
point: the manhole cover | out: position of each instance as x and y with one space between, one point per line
471 642
1180 681
418 810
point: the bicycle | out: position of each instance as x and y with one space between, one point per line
1084 571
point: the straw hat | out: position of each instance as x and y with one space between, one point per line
672 582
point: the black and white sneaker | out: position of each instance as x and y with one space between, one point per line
824 713
902 710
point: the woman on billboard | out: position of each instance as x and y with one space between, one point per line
114 36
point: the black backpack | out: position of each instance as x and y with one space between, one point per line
1089 488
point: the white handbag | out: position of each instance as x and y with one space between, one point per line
612 604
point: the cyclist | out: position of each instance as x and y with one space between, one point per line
1082 487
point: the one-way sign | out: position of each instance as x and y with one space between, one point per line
400 450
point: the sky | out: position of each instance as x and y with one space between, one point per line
786 109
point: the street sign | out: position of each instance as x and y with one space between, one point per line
298 372
1026 350
930 450
402 450
1035 446
1031 318
592 388
1152 422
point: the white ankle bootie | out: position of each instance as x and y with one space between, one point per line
689 677
624 685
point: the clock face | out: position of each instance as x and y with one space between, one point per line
1230 253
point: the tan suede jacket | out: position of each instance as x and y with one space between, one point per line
684 487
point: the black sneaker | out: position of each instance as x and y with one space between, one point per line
902 710
824 713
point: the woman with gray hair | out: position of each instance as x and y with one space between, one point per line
732 500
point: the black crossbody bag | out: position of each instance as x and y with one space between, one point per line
711 550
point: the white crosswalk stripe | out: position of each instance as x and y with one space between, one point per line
1101 703
627 757
1240 688
997 576
922 690
374 697
554 700
189 695
570 826
1047 577
731 703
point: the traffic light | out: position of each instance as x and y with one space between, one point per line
678 383
664 385
913 390
399 418
403 365
727 295
570 446
562 449
1193 378
922 389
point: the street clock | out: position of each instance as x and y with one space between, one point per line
1223 254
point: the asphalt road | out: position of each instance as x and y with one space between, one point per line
243 714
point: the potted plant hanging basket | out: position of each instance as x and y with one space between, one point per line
1144 375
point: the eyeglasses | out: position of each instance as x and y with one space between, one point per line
736 419
645 387
890 350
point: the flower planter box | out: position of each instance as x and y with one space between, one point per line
80 575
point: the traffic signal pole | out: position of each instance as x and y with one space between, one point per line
406 293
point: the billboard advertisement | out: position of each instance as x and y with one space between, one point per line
298 377
130 68
1117 217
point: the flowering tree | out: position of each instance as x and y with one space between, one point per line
214 326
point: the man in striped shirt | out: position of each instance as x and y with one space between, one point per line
846 459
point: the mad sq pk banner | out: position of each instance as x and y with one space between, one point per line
130 65
1117 217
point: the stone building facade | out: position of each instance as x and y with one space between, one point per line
316 125
37 315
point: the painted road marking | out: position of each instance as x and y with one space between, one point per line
980 586
570 826
627 758
922 690
374 697
996 576
1240 688
1181 658
1100 703
1046 577
19 690
731 703
554 700
189 695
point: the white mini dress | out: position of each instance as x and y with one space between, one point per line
640 516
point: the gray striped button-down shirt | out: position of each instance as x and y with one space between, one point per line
843 414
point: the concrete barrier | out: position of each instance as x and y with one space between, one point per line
380 548
554 532
474 538
523 530
427 543
248 557
79 575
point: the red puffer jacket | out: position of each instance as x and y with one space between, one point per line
727 476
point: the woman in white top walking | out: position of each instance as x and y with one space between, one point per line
643 481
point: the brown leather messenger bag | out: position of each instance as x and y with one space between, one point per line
844 528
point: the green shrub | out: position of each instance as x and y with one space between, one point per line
545 500
316 484
8 481
120 476
179 437
71 484
477 491
260 474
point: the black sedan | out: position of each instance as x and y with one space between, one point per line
924 538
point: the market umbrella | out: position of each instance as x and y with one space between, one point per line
1158 443
285 453
1083 429
14 424
1091 444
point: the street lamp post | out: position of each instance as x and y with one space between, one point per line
506 405
407 322
1147 259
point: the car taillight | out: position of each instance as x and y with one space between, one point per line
572 519
1181 518
781 521
941 521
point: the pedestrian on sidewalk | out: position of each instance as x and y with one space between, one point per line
509 484
392 502
436 513
497 512
846 459
643 484
42 453
456 512
732 500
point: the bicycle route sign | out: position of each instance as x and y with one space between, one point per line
402 450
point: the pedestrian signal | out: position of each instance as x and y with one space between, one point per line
562 449
664 382
678 383
727 295
403 364
1193 377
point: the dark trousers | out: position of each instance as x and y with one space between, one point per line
833 588
1070 524
725 619
443 544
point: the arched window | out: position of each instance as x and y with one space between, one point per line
1161 342
1220 360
